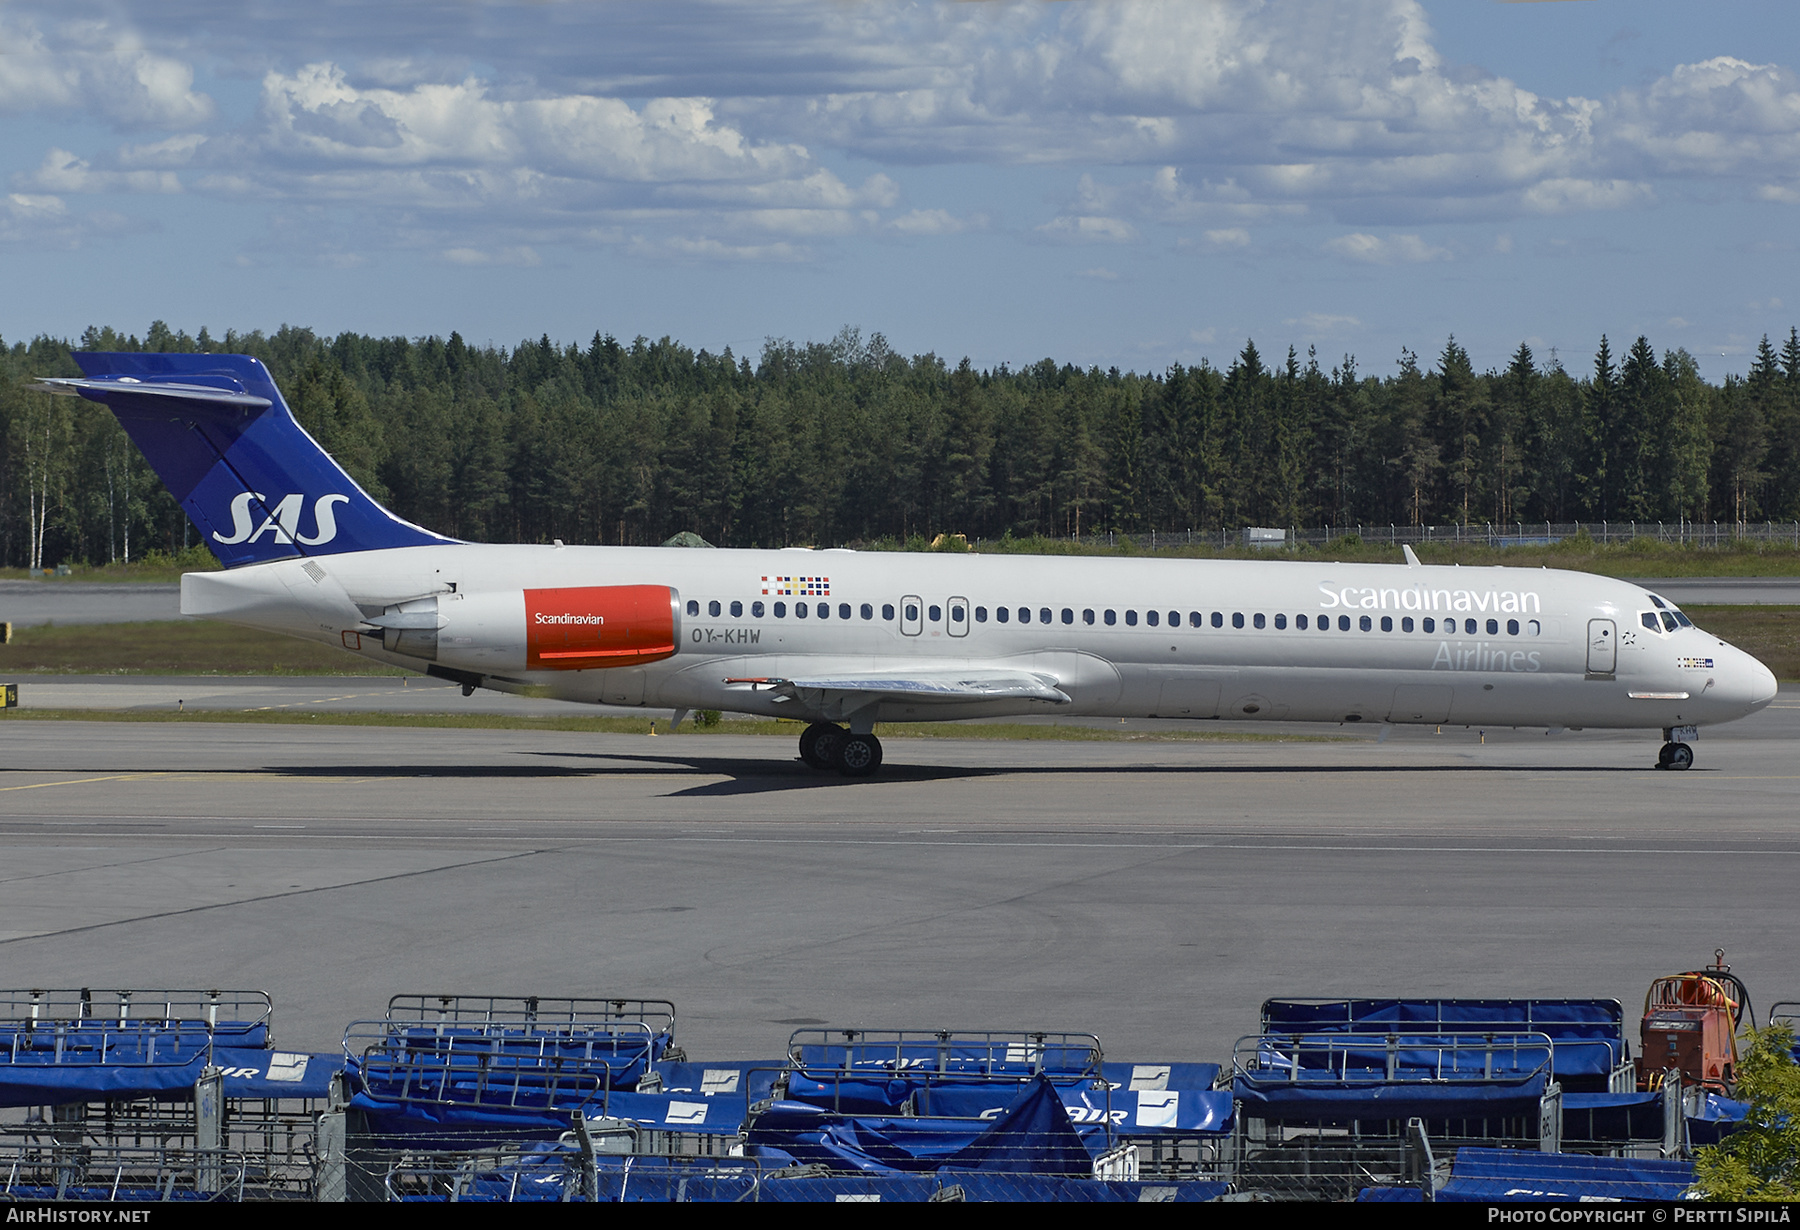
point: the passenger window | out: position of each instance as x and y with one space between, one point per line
1406 625
713 608
737 610
693 607
1068 616
1024 614
1300 622
1387 623
912 612
1430 625
1002 614
956 615
843 610
781 610
1112 617
756 610
1512 627
824 609
1533 627
1195 619
1280 621
936 612
1470 627
1365 623
799 610
1087 616
1237 619
1493 627
1044 615
1258 620
1152 618
887 611
1218 619
868 612
980 614
1131 619
1343 623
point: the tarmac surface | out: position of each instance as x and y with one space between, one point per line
1151 893
26 604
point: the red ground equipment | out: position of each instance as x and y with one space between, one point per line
1691 1025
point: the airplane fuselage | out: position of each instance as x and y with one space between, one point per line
1274 640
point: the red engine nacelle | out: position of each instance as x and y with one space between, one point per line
598 625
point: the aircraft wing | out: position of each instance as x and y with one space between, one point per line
924 687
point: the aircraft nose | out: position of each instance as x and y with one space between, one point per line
1762 684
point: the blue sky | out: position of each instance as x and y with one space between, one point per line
1112 183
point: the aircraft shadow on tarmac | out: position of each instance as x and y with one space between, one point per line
756 776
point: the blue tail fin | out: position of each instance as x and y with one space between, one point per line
215 430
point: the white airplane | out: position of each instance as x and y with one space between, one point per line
842 640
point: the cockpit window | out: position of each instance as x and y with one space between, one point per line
1660 604
1669 624
1648 619
1683 620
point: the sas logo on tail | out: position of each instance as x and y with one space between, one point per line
284 522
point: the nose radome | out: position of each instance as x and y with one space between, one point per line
1762 684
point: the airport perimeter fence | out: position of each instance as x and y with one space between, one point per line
1709 534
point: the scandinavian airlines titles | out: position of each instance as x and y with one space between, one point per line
1418 598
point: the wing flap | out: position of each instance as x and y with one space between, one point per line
926 687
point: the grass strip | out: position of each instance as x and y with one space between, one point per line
175 647
641 726
1768 633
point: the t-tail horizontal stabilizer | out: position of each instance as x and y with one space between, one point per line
216 431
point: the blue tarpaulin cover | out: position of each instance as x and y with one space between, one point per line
1612 1116
543 1176
1156 1076
1340 1103
1172 1112
677 1112
1589 1033
1484 1175
277 1074
1719 1117
1033 1135
46 1065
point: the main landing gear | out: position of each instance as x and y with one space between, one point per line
825 746
1675 756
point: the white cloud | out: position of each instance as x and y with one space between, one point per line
1088 229
1223 116
97 67
503 256
937 222
1324 324
41 220
1392 250
62 171
1098 273
1561 196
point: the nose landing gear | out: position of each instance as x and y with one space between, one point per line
1675 756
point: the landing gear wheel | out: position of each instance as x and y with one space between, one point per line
1681 756
1662 757
858 755
818 744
